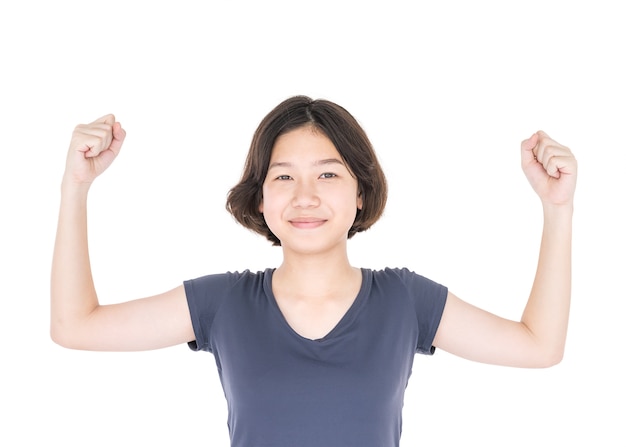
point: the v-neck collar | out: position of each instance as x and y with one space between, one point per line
346 320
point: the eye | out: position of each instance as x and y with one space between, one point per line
327 175
283 177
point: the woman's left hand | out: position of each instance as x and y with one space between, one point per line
550 168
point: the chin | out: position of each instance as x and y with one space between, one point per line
313 246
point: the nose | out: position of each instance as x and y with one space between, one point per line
305 195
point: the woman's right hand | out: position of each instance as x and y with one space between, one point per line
93 148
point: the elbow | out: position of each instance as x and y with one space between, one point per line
550 358
55 332
67 342
545 351
58 336
554 359
63 336
548 363
554 355
71 330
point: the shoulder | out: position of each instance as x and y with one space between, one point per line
210 295
406 283
401 276
226 280
206 293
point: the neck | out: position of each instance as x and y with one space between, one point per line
314 273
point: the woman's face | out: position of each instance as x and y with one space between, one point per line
310 198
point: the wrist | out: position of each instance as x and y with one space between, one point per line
562 213
71 188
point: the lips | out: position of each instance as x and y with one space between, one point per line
307 222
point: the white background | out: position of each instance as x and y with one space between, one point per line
445 90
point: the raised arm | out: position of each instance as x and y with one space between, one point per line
538 339
77 320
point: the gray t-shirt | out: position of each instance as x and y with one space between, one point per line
343 390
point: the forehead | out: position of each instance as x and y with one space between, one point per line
304 143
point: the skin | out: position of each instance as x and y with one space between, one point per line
310 202
310 199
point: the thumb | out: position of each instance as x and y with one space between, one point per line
527 147
119 134
106 119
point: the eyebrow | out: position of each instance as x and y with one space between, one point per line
326 161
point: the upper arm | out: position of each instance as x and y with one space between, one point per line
478 335
148 323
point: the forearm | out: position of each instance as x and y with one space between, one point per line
73 295
547 312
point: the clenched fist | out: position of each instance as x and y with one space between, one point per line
550 168
93 148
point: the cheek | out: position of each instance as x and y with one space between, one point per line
270 203
264 194
271 215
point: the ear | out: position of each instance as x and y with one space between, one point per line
359 201
261 207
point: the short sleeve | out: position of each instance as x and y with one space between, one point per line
429 299
204 298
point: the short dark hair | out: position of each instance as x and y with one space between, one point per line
344 132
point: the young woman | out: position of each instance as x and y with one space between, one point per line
315 352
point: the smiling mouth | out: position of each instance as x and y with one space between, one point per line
307 222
